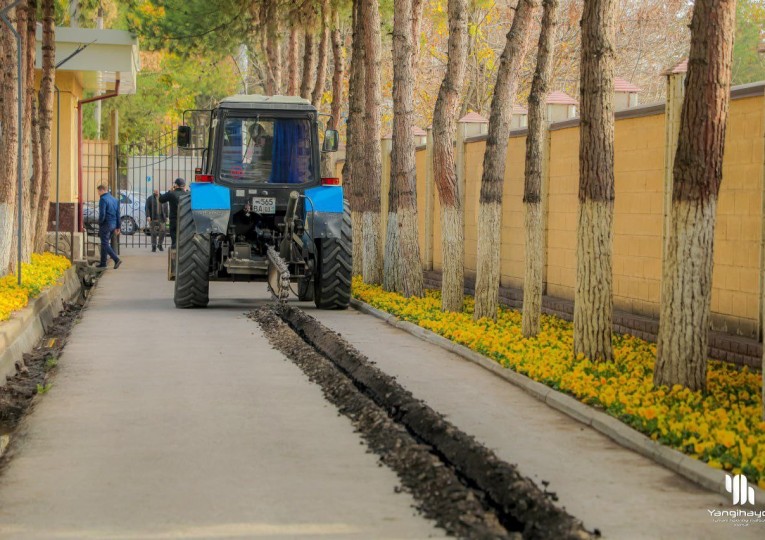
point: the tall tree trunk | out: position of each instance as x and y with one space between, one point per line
309 65
444 168
321 68
354 167
593 296
373 268
328 161
293 53
338 72
406 28
34 215
24 13
687 273
47 86
391 259
32 173
274 54
536 155
494 158
393 275
10 141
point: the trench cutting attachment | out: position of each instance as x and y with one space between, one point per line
278 275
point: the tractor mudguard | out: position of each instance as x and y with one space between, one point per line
324 211
210 207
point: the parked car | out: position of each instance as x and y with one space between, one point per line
131 208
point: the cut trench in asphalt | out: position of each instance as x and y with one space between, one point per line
456 481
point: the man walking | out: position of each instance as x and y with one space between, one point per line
156 215
172 196
108 224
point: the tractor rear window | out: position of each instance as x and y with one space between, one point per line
266 151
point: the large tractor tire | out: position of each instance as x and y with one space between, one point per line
334 265
192 267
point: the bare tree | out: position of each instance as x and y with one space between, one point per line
687 269
372 267
536 155
444 169
494 158
354 167
593 300
47 84
293 67
321 68
10 141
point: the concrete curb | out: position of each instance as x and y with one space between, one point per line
692 469
24 329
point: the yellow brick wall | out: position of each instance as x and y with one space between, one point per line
638 215
735 283
562 205
512 254
638 211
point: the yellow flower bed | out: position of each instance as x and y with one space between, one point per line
722 426
44 270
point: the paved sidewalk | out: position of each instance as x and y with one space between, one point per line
165 423
621 493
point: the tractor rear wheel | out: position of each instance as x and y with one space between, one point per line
334 264
192 278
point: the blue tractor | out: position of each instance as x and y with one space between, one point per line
259 209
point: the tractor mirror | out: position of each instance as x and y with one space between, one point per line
184 136
331 141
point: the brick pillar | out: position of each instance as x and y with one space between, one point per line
546 150
430 193
387 145
675 94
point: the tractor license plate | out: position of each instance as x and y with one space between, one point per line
264 205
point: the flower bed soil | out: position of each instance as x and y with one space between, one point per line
34 374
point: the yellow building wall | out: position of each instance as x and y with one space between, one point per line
71 92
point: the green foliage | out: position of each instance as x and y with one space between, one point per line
42 389
50 363
165 90
748 65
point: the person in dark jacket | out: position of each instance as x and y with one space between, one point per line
156 215
108 225
171 197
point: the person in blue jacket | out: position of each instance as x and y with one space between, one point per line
108 224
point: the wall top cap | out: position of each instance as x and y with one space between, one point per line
622 85
560 98
680 67
473 118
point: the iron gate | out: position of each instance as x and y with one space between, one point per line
132 172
